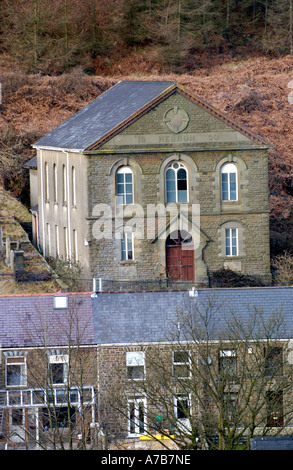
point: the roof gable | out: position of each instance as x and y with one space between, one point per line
121 106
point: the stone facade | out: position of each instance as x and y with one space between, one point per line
177 128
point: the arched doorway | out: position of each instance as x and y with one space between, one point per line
180 256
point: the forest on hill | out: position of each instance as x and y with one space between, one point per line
56 57
174 35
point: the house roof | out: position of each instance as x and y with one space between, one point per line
104 114
32 163
140 317
32 321
155 316
118 107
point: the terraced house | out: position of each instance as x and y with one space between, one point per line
208 368
150 181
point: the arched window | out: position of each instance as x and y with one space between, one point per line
229 182
124 185
176 183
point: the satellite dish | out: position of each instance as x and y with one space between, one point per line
206 361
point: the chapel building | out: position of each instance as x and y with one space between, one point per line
150 181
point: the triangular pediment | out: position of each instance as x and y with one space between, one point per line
149 115
181 220
179 120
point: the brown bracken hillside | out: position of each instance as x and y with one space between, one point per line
255 92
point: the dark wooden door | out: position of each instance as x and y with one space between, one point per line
180 258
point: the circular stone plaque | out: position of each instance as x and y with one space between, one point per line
176 119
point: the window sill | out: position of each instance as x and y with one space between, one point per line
15 387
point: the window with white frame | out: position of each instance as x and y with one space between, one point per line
15 371
176 183
182 406
227 361
231 242
127 247
135 365
136 416
124 185
229 182
58 369
73 186
181 364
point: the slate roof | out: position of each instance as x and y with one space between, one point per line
32 163
32 321
117 107
102 115
136 317
154 316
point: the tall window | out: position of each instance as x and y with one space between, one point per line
127 247
229 182
275 414
274 361
49 239
181 365
135 365
231 241
182 406
65 241
58 369
55 182
176 183
136 416
73 186
227 361
75 246
46 182
64 184
15 371
124 185
57 248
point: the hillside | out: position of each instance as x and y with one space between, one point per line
253 91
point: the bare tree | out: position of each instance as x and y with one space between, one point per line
217 382
283 264
59 399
